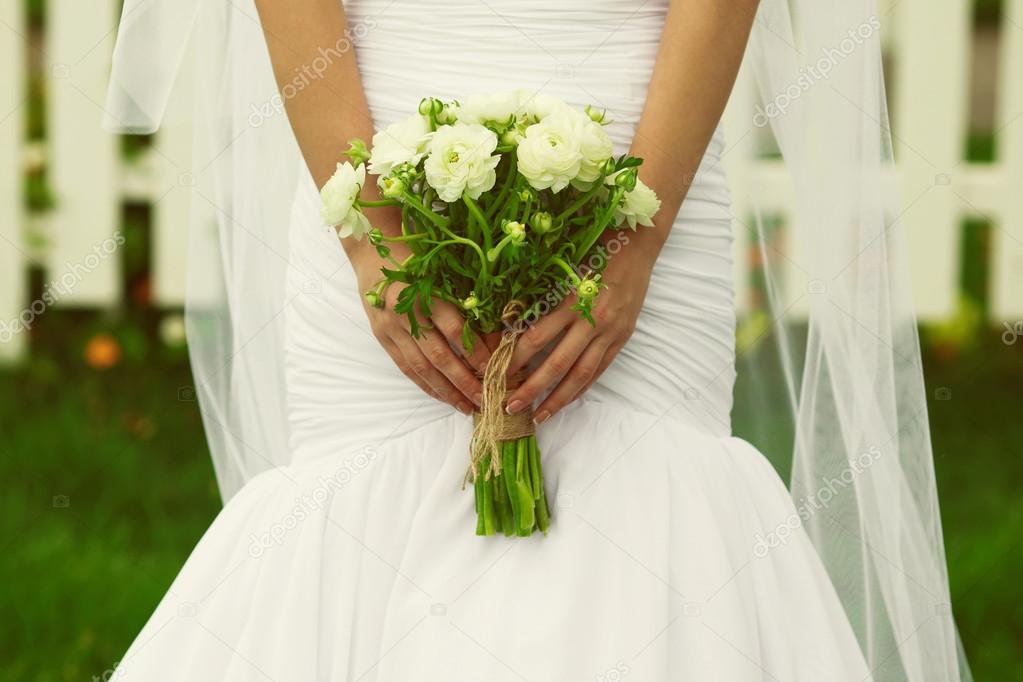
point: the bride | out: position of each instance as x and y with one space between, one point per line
345 550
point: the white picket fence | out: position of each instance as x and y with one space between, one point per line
929 41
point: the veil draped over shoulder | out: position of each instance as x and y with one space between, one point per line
861 459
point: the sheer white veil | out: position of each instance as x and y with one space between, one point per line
862 472
243 174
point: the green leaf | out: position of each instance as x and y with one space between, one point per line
468 338
398 275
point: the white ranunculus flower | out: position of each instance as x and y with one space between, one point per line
398 143
498 107
338 196
596 148
539 105
638 206
460 161
549 154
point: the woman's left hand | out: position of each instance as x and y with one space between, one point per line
585 350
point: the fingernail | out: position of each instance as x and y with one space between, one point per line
542 416
466 408
514 406
477 398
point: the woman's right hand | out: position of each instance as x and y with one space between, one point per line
430 361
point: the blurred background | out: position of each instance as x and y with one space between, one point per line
107 480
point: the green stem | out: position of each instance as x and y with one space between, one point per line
495 253
593 234
471 226
580 202
527 211
543 514
481 518
378 204
489 512
572 275
534 468
508 479
509 180
405 237
413 201
404 219
484 224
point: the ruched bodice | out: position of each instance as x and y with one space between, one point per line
598 52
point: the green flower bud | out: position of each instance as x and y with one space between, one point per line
525 195
588 289
374 299
542 222
392 187
626 179
357 152
515 230
510 137
595 116
470 302
446 115
609 167
425 106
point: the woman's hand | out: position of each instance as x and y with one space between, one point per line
585 350
429 361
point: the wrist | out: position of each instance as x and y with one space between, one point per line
632 251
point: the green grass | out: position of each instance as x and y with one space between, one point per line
108 486
80 580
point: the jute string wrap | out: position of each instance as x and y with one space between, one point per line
492 424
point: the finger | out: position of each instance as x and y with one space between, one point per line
536 338
439 354
406 369
493 340
421 365
590 365
449 322
605 362
554 367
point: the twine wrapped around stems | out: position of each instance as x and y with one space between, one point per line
492 424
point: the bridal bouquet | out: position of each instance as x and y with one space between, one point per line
503 198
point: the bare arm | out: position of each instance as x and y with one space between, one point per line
327 111
332 108
701 48
699 57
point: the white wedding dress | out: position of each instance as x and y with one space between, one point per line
358 562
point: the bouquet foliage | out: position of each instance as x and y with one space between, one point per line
504 199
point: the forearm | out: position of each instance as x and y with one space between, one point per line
330 107
701 48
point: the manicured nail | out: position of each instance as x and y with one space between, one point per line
514 406
542 416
